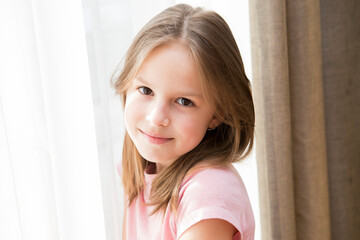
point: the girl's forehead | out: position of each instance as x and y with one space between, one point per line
171 63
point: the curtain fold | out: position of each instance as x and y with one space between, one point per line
270 52
305 57
341 74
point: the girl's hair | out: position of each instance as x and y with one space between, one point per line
224 85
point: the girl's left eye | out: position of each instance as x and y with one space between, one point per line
145 90
185 102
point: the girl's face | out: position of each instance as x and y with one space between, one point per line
166 114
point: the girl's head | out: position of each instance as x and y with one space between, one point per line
183 74
166 114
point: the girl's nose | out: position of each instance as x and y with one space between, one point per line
158 115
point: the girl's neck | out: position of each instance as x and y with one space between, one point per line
151 168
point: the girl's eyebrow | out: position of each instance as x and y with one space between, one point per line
189 93
140 79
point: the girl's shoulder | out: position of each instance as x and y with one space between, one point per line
209 192
213 182
208 172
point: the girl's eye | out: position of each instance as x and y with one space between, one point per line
145 90
185 102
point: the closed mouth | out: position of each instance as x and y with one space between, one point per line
154 138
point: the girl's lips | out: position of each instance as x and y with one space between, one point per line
155 139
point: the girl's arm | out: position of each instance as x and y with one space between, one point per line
210 229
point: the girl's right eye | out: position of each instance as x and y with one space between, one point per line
145 90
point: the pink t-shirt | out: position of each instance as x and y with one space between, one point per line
207 193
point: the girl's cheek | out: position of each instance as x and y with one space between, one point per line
130 96
192 124
132 99
132 109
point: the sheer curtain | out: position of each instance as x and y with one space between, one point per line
49 177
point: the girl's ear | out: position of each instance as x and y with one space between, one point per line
214 123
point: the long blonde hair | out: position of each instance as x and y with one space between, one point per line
224 85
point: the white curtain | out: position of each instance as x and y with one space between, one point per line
49 173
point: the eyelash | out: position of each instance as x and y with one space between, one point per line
143 89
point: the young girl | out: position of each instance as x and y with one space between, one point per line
189 115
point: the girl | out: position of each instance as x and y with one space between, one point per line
189 114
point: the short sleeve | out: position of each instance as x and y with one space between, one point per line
119 168
215 193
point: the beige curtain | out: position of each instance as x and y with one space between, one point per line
306 76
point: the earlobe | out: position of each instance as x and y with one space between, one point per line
214 123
